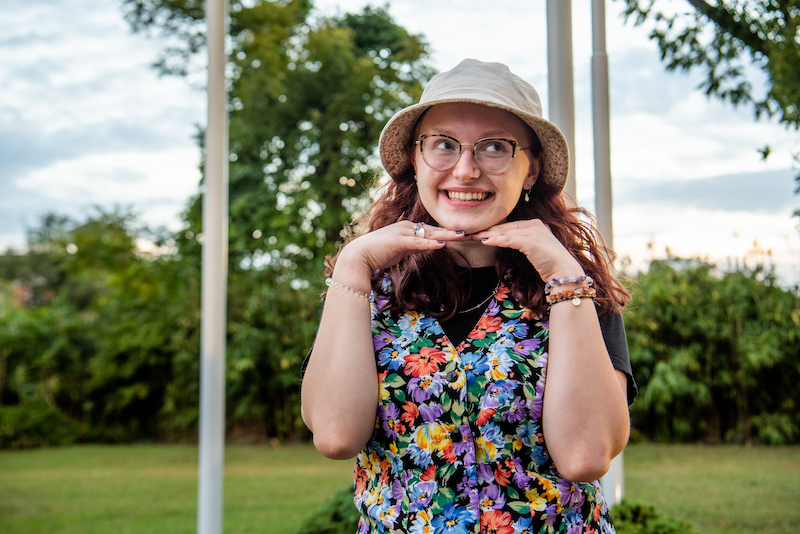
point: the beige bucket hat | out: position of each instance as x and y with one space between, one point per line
487 84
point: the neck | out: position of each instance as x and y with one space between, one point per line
477 254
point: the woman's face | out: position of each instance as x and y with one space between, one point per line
464 197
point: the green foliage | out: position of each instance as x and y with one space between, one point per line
715 356
338 515
92 325
638 518
35 425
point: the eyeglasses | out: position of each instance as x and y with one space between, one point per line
492 154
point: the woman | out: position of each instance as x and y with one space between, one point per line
459 354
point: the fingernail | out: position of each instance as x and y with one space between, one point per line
459 232
484 239
440 242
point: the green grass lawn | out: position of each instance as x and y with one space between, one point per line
152 489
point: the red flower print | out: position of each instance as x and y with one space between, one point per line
424 363
496 522
429 473
410 412
485 416
502 293
502 475
361 476
486 325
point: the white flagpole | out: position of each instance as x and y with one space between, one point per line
214 279
614 481
561 93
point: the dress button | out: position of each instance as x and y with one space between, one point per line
452 376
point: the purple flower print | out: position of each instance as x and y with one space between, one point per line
492 498
524 347
422 494
423 387
383 338
431 412
389 415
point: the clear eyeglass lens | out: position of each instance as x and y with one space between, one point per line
492 155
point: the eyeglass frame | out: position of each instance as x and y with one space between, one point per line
514 147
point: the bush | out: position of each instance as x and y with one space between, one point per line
638 518
337 516
35 425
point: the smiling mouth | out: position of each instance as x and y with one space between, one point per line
460 195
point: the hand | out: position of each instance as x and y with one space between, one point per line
534 239
386 246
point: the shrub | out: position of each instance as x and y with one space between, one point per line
638 518
35 425
337 516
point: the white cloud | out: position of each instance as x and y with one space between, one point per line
157 183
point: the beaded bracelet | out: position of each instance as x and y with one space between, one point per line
580 292
330 282
568 280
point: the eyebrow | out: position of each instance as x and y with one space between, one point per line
496 134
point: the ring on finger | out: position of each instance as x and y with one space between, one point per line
419 230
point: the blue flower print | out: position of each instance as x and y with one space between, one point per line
514 329
392 356
454 520
473 364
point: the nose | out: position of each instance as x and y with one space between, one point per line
466 168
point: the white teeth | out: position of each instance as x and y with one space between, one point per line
458 195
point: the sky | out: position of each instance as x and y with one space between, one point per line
86 121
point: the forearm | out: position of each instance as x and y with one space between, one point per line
586 421
340 387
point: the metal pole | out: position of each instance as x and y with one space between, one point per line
600 115
214 279
561 93
614 481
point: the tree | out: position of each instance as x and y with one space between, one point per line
716 356
723 39
308 98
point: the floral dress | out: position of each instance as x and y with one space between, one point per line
458 444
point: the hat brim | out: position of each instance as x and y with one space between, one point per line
395 140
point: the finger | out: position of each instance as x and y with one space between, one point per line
436 233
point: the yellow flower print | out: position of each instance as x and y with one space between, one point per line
485 450
432 436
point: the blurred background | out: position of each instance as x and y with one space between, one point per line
102 113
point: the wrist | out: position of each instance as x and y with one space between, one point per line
352 271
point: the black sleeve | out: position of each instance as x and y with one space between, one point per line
613 329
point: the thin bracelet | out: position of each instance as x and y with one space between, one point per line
576 300
568 280
330 282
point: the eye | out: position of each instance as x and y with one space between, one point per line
494 147
443 143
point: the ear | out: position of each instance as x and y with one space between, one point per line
534 171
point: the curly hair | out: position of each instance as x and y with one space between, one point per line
429 281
